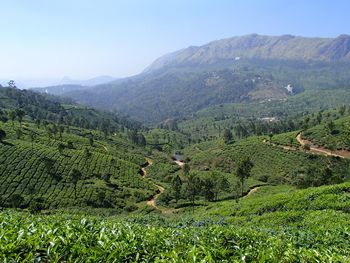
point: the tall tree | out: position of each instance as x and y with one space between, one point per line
19 133
193 187
243 171
20 114
32 136
186 169
228 136
60 148
208 188
177 185
12 116
91 141
12 84
221 184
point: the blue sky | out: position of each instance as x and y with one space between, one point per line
87 38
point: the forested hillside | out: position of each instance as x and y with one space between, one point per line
273 75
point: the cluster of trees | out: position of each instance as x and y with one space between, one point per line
191 185
315 176
137 138
45 107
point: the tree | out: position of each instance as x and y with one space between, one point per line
141 140
37 204
60 148
16 200
12 84
106 177
70 145
270 137
243 171
19 133
193 187
342 110
186 169
208 188
54 130
228 136
306 147
330 127
75 176
48 165
20 114
221 184
60 131
2 135
12 116
32 136
91 141
177 185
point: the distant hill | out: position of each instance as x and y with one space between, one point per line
256 46
67 85
89 82
250 68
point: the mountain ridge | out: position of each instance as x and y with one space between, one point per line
259 46
250 68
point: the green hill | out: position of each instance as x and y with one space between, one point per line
83 185
334 135
285 74
304 226
60 156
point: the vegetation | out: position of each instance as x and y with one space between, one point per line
80 185
332 134
48 164
274 228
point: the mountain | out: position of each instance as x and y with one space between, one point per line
89 82
257 46
67 85
250 68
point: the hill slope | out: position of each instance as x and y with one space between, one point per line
251 68
257 46
57 155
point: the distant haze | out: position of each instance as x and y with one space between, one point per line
43 41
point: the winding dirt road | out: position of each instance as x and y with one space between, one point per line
153 201
313 148
321 150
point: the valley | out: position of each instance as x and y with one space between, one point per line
237 150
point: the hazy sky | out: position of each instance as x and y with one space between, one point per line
86 38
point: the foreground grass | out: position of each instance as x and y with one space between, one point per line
275 235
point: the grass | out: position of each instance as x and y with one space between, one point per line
310 226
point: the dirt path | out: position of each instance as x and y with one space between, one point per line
313 148
179 163
286 147
153 201
252 191
321 150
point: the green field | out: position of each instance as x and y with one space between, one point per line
305 226
79 185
